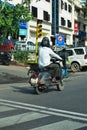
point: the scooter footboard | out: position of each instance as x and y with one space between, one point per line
44 78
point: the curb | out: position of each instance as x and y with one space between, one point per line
16 63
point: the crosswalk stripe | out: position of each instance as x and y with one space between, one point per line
31 116
62 125
6 108
21 118
72 115
14 103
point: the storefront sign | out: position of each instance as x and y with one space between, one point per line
22 24
22 32
76 27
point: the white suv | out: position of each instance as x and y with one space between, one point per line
77 57
25 46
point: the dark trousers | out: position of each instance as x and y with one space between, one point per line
55 70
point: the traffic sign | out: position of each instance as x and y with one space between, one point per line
60 41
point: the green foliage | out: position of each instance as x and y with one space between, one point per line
21 56
9 20
24 56
10 17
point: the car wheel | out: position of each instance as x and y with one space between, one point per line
6 62
75 67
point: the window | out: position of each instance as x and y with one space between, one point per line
48 0
79 51
69 52
69 8
46 16
86 50
63 22
65 6
69 23
62 4
34 11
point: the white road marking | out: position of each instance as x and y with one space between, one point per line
62 125
5 108
17 119
46 110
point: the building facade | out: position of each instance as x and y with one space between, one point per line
80 25
40 10
66 20
58 16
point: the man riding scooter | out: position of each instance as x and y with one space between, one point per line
44 59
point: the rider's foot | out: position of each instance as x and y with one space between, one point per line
53 79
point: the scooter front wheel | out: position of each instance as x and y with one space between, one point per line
39 89
60 85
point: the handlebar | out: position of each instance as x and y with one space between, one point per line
55 60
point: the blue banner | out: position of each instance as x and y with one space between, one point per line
60 41
22 32
22 24
82 34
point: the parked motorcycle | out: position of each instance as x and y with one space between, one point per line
41 79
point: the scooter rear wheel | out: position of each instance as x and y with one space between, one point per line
60 86
39 89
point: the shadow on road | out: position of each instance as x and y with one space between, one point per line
31 90
6 78
21 89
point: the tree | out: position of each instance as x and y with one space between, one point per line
20 13
10 17
5 21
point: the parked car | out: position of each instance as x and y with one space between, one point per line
30 46
77 57
5 58
25 45
20 45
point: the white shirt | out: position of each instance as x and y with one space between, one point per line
45 54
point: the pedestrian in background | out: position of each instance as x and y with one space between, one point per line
65 69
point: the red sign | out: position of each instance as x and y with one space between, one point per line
60 38
76 27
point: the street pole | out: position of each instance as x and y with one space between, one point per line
36 58
38 35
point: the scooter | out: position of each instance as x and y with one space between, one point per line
41 79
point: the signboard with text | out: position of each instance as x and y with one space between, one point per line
22 24
76 27
22 32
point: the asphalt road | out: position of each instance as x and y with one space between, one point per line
13 74
22 109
